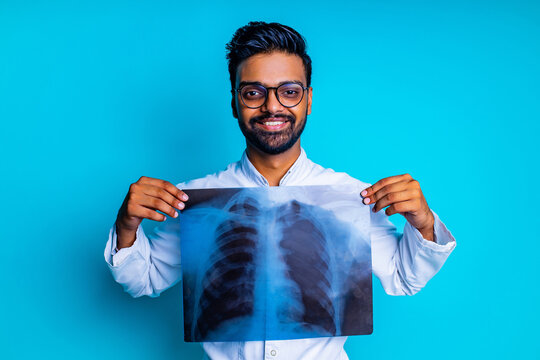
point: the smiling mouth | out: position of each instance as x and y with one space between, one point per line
273 124
270 123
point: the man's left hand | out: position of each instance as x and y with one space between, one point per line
402 195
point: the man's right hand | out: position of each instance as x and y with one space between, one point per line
142 201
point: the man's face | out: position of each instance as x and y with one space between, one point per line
271 70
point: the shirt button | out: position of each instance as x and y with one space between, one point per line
273 352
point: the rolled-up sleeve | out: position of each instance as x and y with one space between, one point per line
404 263
149 266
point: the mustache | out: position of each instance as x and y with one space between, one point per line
261 118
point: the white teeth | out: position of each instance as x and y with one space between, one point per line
272 123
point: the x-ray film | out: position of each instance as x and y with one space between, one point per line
275 263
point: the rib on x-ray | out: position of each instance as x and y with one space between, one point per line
275 263
228 285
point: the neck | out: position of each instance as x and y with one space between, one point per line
273 167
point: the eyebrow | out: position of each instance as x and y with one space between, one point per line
243 83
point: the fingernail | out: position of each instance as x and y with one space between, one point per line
184 197
175 214
366 201
364 193
181 205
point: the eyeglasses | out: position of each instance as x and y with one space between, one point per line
255 95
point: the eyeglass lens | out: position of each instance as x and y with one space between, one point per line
288 95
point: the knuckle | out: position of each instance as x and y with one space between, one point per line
149 214
142 178
131 197
164 207
152 215
161 193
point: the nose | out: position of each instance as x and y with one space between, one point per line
272 105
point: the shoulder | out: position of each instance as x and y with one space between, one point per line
320 175
224 178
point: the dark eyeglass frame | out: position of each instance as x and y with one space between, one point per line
304 88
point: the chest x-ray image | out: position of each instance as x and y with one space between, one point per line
275 263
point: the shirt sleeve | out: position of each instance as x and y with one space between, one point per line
149 266
404 263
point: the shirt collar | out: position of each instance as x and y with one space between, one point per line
297 170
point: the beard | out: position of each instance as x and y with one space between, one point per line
273 142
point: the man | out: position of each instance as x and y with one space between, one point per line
270 75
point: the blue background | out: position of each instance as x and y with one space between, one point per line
94 95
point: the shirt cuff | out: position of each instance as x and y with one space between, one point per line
444 240
116 257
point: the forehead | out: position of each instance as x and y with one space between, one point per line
271 69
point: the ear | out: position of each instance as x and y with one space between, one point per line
310 92
233 106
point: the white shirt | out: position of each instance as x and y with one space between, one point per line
404 263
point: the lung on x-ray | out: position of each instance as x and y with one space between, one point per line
275 263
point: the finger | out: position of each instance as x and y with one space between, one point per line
157 204
146 213
161 193
402 207
394 197
383 182
173 190
384 191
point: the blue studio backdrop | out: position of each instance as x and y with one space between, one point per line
94 95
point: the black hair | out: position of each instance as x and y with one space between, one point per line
261 37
